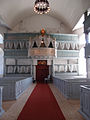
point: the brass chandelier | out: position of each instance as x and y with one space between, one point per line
41 6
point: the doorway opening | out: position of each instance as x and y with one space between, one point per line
42 71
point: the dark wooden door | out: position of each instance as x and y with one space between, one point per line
42 71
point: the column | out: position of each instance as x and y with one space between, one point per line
31 69
1 109
87 38
86 47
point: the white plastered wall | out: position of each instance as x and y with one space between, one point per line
2 31
36 22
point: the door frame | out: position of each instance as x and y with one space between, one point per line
42 73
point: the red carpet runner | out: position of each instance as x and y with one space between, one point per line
41 105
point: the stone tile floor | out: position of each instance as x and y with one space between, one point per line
69 107
13 108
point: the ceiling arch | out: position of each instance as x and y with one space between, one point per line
67 11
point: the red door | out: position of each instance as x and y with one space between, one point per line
42 71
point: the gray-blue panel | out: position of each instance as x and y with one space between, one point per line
70 88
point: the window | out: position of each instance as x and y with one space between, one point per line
1 39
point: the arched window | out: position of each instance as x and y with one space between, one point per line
79 30
1 56
1 39
89 37
82 60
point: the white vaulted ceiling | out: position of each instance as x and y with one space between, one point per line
67 11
